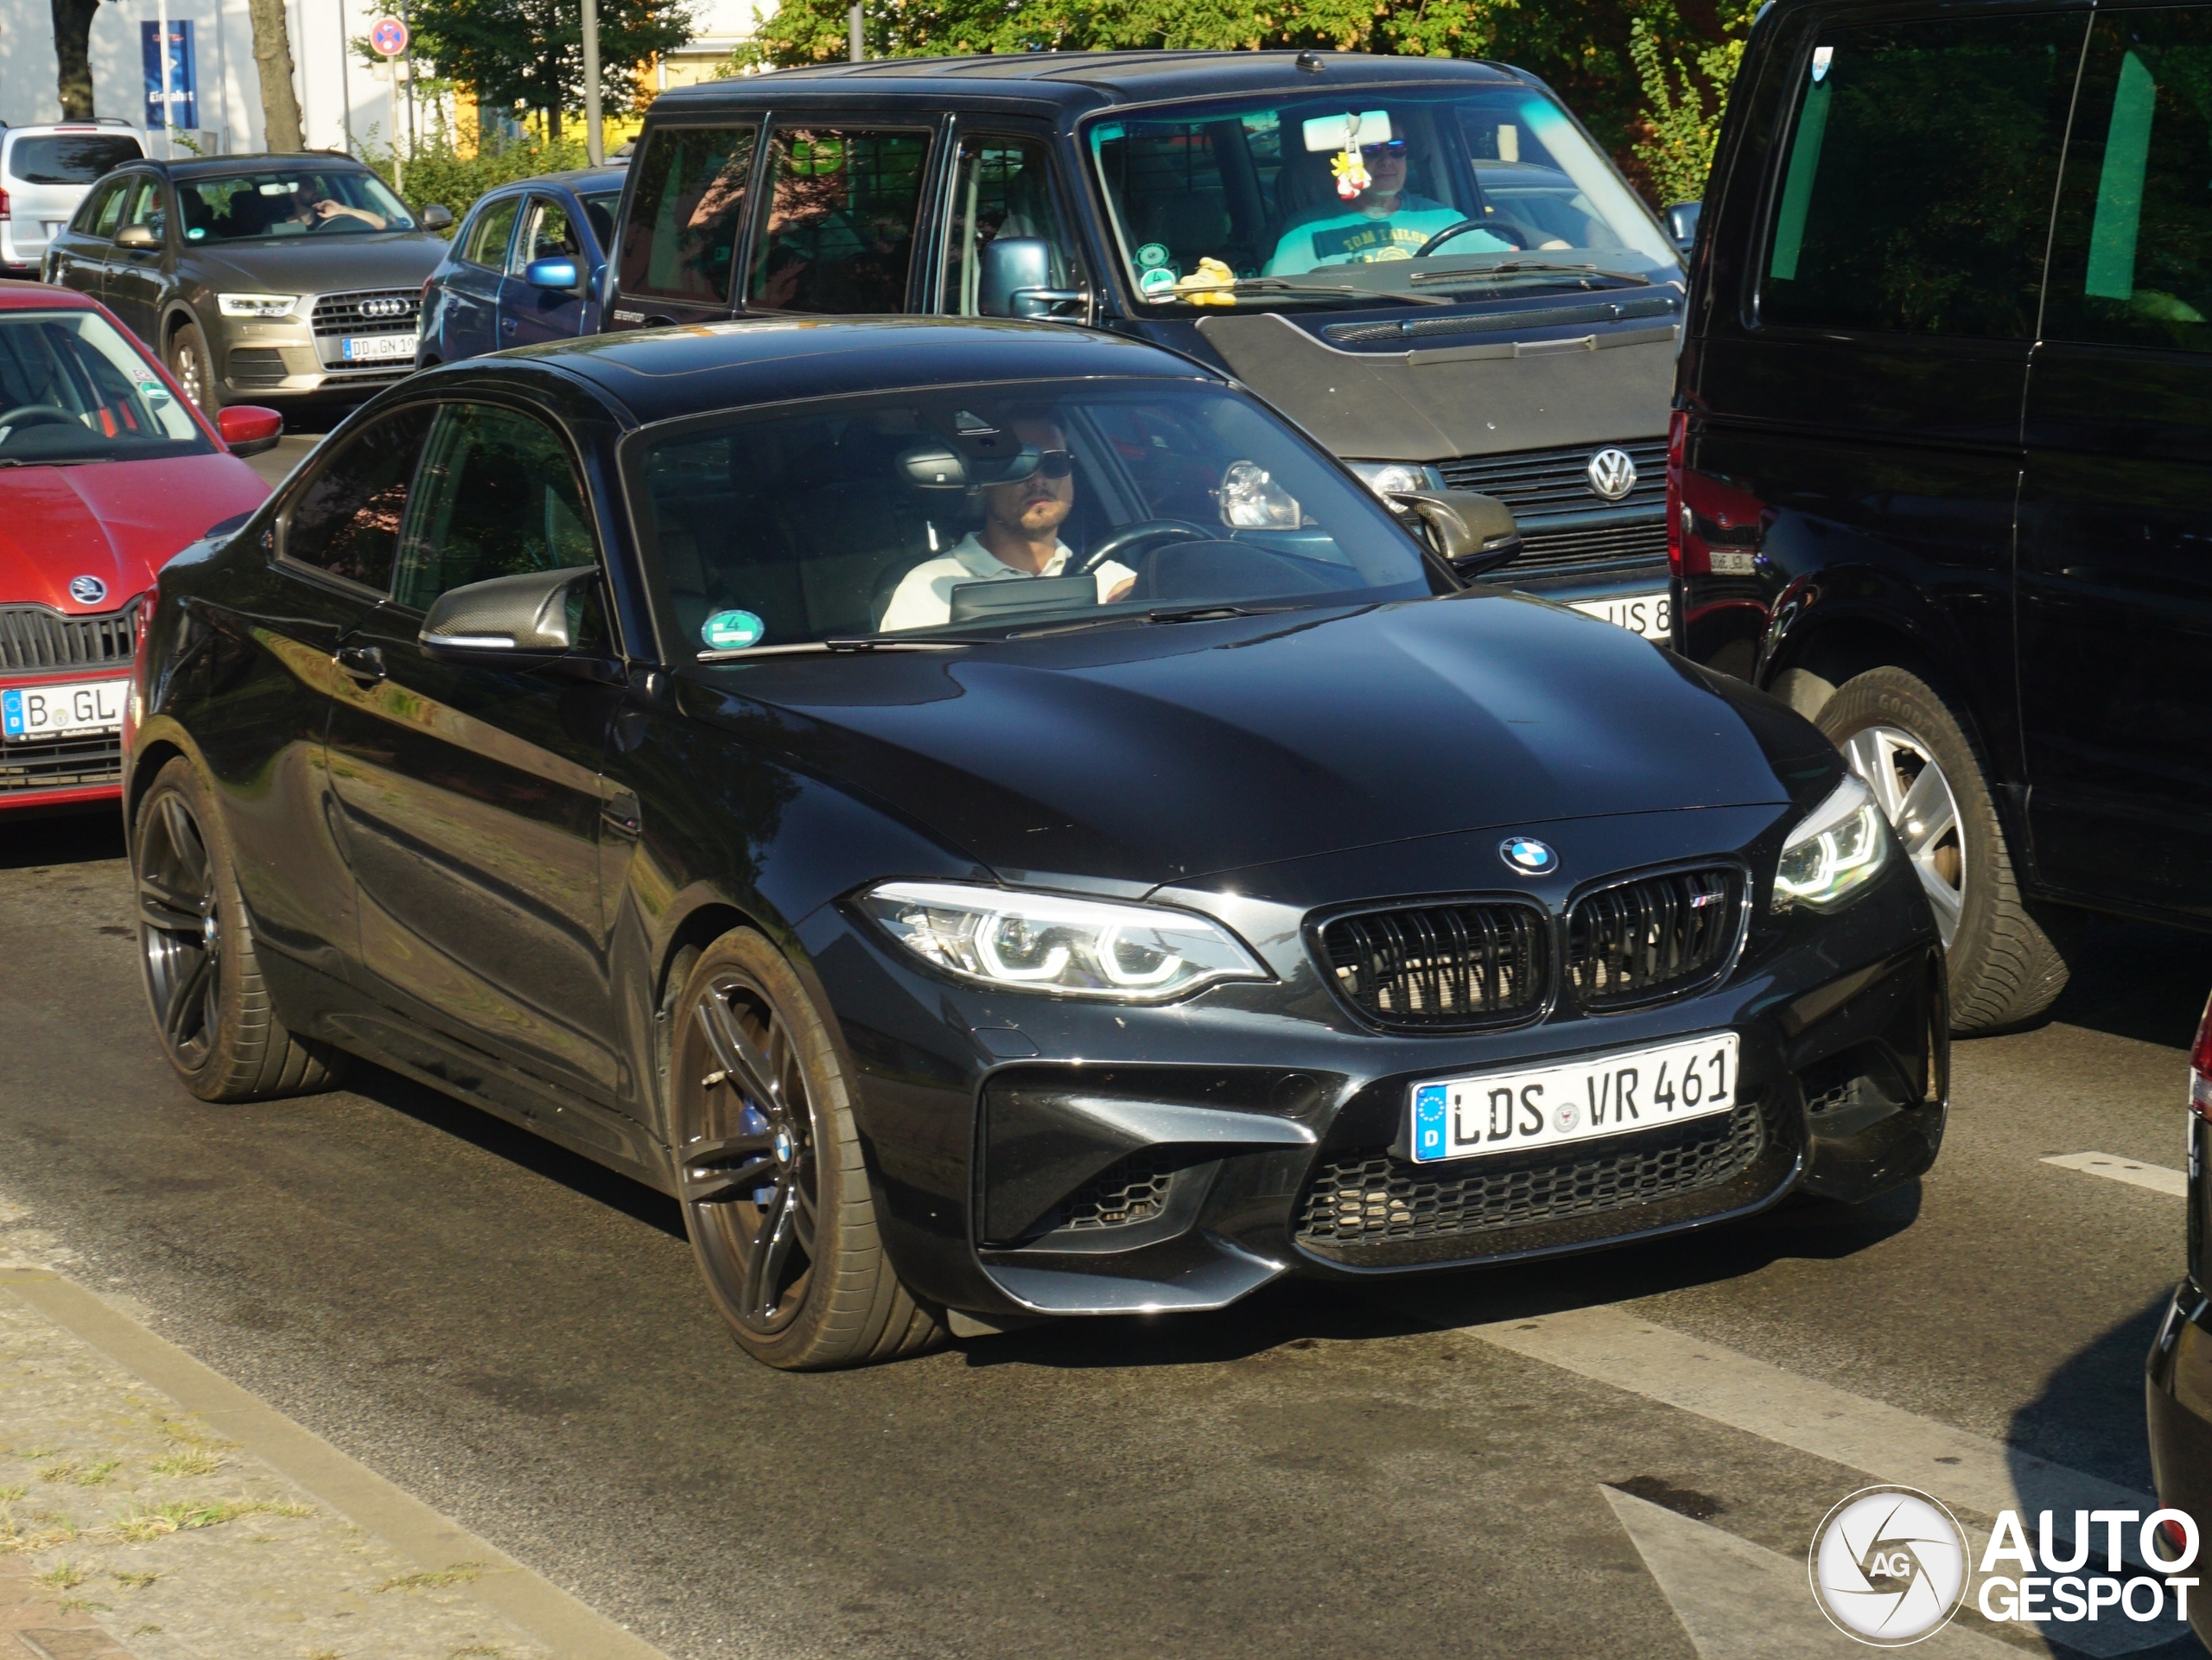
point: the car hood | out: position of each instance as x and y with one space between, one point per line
1151 754
116 521
328 264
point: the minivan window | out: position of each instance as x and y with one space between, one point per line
2132 255
68 157
1915 196
1315 193
839 236
1003 188
680 238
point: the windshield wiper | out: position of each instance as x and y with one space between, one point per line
1530 268
1165 615
1277 288
873 643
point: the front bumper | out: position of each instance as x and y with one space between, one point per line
1039 1156
277 362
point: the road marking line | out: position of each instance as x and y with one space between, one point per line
2133 1172
1884 1442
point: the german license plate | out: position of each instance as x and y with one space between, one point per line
1584 1100
1651 615
68 709
378 348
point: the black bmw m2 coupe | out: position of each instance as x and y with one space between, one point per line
999 824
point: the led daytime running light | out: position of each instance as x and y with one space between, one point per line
1837 848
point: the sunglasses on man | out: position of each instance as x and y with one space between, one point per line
1392 147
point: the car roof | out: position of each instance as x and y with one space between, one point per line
582 181
198 167
1080 80
43 296
661 374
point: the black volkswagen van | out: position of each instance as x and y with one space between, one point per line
1427 264
1942 467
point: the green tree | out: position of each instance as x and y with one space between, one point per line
531 52
1679 130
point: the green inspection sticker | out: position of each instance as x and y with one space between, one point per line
1158 279
1152 254
732 631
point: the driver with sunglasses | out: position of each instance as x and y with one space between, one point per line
1020 537
1384 221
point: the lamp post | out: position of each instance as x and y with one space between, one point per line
854 39
593 145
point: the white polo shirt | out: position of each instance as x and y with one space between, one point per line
924 598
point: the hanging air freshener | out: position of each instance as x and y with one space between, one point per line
1351 167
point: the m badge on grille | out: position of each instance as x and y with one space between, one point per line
1612 474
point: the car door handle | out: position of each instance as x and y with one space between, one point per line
507 323
362 664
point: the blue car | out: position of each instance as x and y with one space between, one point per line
481 297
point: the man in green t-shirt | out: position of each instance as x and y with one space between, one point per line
1384 221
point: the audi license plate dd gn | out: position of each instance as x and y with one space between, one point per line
1651 615
68 708
378 348
1584 1100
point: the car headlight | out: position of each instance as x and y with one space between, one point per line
257 305
1383 477
1049 942
1838 848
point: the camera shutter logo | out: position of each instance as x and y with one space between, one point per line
1889 1566
1612 474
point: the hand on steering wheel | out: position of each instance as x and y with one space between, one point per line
1180 530
37 415
1502 232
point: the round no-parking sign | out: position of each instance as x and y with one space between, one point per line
389 36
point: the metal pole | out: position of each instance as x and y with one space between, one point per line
169 110
857 40
345 82
410 55
593 145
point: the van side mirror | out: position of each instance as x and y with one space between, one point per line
1681 225
136 236
556 272
435 217
509 622
1475 534
1017 277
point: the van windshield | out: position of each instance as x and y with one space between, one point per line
1358 195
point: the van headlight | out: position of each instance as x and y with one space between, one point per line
1052 943
1836 848
1385 477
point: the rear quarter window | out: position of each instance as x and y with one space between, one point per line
686 210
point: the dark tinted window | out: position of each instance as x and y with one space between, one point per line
1916 196
681 236
1003 188
346 520
69 158
499 497
841 225
2132 260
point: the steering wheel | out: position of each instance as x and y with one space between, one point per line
37 415
1501 232
1178 530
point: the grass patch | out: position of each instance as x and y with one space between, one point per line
484 1649
140 1526
186 1461
93 1474
456 1573
136 1581
62 1576
83 1605
39 1453
9 1495
66 1471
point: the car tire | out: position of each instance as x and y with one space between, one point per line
1905 741
203 980
773 1187
194 369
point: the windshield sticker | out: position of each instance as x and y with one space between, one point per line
1159 280
195 233
733 631
1822 56
1153 255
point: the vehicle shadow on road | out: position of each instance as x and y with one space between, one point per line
2133 980
2089 1413
64 839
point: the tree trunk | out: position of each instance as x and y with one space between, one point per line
553 124
72 48
272 55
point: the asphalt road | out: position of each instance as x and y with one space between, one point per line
519 1338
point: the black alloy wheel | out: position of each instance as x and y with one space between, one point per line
774 1191
195 372
202 977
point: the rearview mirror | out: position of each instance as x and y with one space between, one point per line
1681 223
136 236
248 430
512 622
1017 277
557 271
435 217
1475 534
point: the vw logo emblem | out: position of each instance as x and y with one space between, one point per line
1528 856
87 590
1612 474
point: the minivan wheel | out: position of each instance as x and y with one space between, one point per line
1905 740
202 977
774 1190
195 372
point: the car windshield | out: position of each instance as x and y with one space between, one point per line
68 157
297 201
1006 508
72 388
1292 201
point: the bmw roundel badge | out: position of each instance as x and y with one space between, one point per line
1528 856
87 590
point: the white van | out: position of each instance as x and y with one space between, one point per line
44 173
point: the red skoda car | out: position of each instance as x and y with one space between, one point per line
105 470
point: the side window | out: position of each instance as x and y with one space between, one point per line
498 496
345 518
680 239
1916 197
839 236
103 209
148 208
546 233
1003 188
2132 255
487 243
